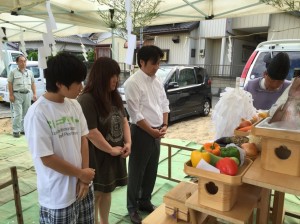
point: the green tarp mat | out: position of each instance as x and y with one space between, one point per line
14 152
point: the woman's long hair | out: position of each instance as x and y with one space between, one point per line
98 84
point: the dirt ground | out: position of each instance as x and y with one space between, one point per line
5 125
196 129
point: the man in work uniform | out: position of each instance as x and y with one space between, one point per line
20 81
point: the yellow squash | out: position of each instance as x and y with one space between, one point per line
196 156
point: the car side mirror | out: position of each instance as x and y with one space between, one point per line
173 85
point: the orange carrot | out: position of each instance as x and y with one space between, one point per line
245 129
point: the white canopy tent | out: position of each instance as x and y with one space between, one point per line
174 11
81 16
71 16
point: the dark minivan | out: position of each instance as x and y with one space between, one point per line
188 89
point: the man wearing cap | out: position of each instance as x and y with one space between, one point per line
20 82
267 89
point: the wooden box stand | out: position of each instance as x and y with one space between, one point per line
216 194
280 149
217 191
175 200
241 133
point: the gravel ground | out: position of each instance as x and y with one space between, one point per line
197 129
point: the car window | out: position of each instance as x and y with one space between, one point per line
260 66
162 73
35 70
200 73
3 73
10 67
186 77
173 77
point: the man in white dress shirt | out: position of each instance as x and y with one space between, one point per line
148 108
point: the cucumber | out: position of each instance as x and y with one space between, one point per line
213 158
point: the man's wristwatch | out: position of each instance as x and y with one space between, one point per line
164 125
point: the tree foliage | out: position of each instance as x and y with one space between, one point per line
32 55
91 56
287 5
142 13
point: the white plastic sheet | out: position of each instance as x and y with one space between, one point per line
233 105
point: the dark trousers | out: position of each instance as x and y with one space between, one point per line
142 167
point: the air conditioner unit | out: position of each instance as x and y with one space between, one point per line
175 39
202 52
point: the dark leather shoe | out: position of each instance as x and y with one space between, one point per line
135 217
16 134
22 133
146 206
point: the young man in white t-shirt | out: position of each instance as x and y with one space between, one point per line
56 132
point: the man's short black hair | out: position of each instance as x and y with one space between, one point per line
65 69
149 53
21 55
279 66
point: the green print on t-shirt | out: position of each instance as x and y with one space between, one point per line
62 121
59 126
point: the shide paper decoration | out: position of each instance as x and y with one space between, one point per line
23 48
48 39
83 51
131 37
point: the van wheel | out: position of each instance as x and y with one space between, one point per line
205 108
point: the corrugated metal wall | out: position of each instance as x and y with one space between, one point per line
212 28
179 52
284 26
251 21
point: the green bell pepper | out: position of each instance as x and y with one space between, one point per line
230 151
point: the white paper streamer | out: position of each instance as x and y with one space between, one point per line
42 58
128 17
131 38
51 17
23 48
128 5
130 49
129 24
48 25
229 54
48 38
54 50
83 51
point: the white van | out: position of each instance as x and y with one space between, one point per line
256 66
38 74
8 56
